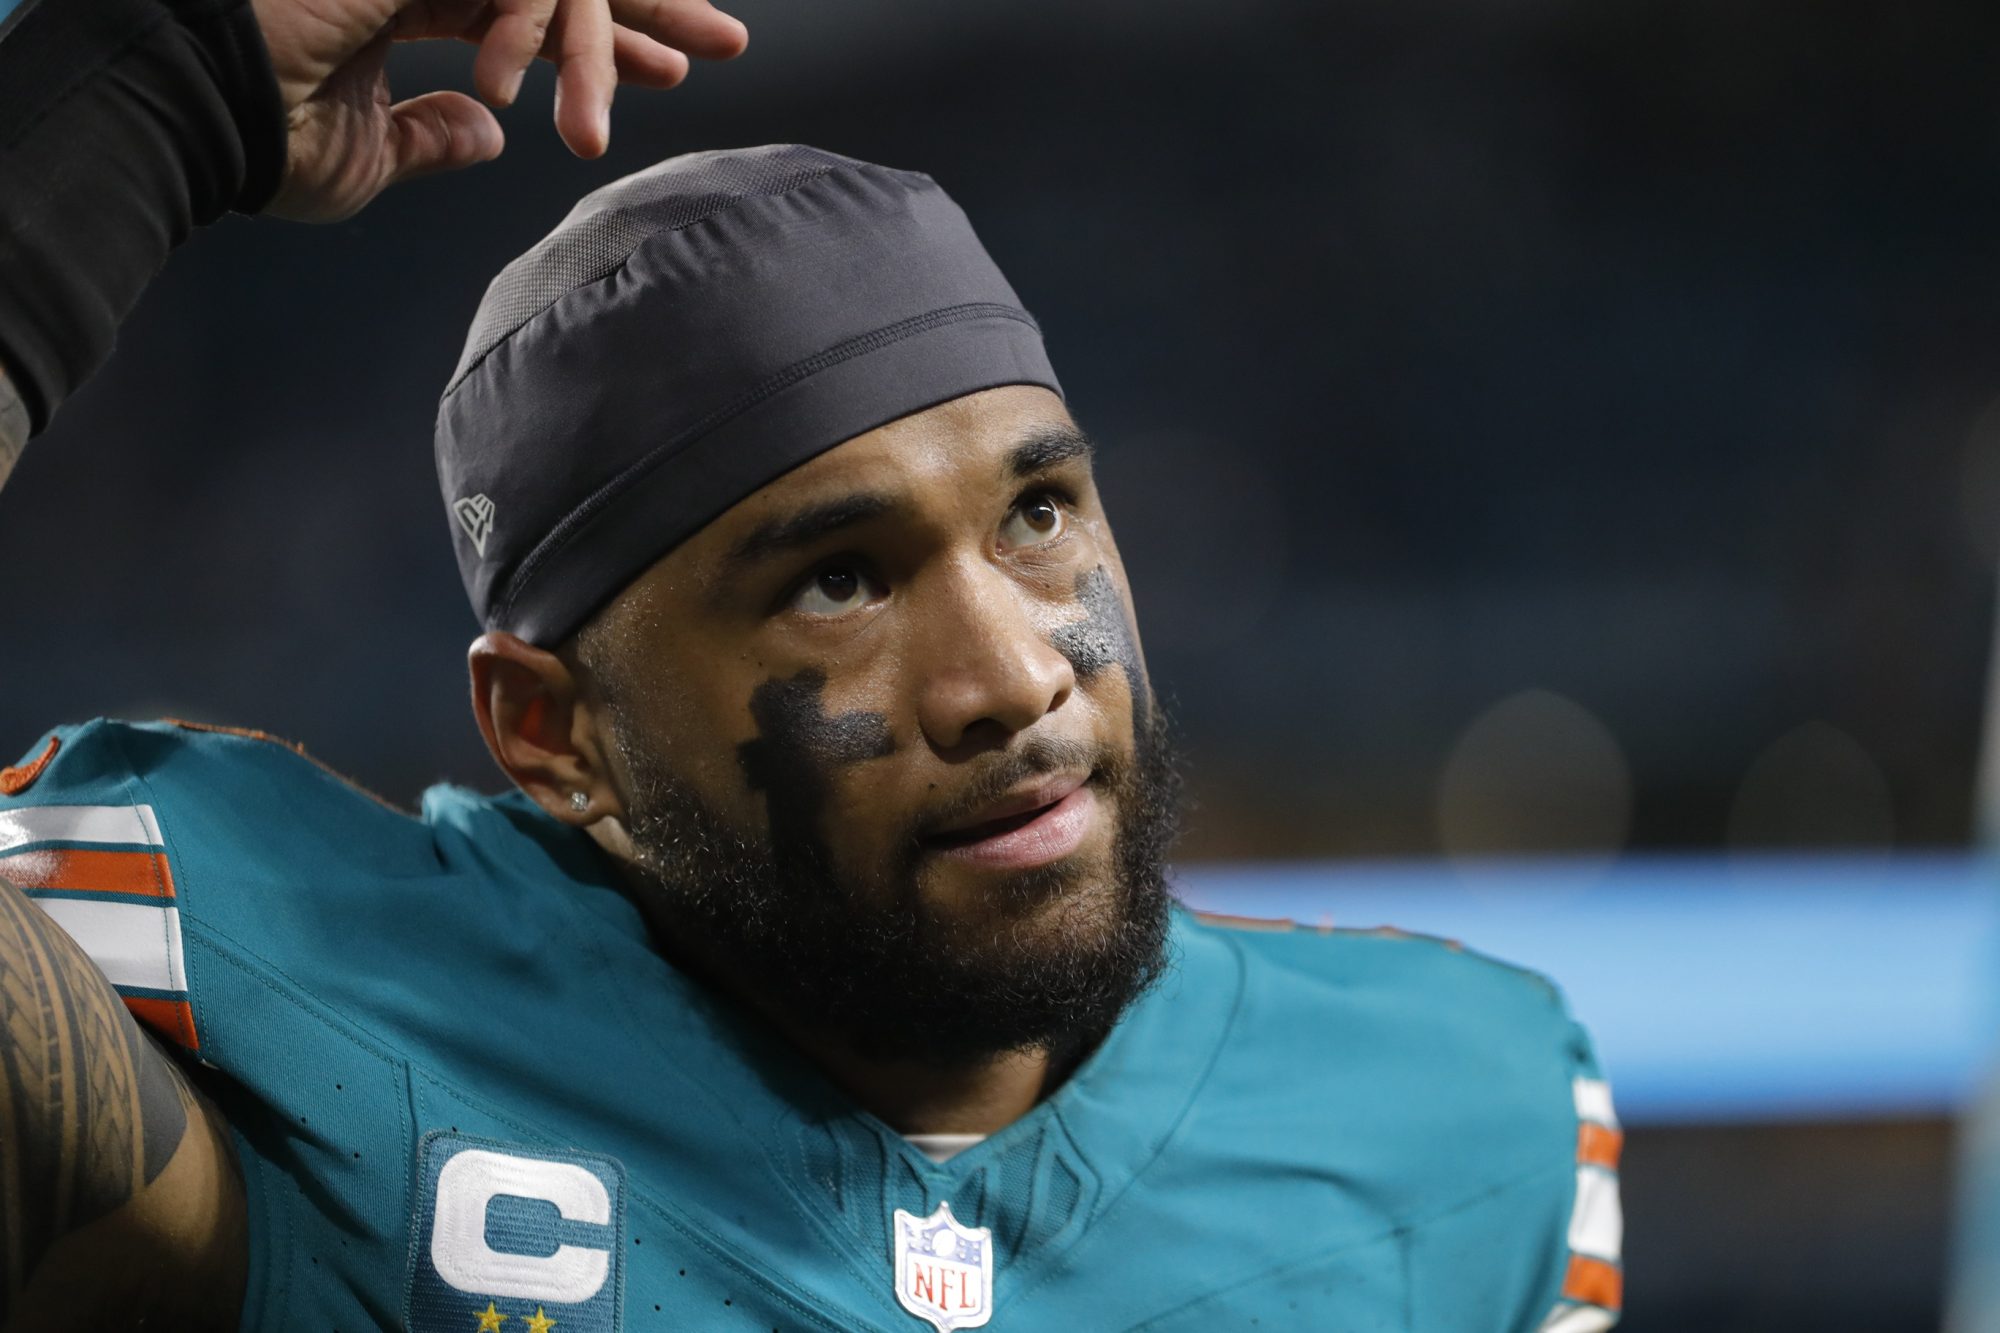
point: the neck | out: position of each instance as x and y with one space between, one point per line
910 1096
915 1098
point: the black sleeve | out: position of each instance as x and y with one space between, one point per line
124 124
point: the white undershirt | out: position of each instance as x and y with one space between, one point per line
943 1147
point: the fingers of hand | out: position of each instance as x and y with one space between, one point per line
693 26
512 40
592 48
586 74
645 62
440 132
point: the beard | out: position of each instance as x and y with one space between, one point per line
1046 959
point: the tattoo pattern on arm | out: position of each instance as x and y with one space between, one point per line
89 1112
14 426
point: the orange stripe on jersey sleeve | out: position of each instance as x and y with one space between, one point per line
143 873
14 781
1228 921
1598 1146
1594 1282
172 1019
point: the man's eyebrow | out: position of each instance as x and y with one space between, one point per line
1046 448
803 527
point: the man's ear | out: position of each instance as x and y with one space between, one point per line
541 730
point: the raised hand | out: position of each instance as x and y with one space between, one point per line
349 140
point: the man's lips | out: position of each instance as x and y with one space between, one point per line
1039 794
1033 826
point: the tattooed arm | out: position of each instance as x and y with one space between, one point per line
120 1206
13 425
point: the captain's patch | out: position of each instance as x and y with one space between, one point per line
509 1237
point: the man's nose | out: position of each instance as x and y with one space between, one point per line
988 672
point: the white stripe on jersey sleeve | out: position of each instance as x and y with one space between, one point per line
1597 1223
1593 1102
1578 1319
125 824
134 944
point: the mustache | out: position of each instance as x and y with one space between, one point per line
1036 757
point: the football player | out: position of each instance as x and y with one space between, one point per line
818 971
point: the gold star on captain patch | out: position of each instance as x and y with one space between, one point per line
490 1319
538 1321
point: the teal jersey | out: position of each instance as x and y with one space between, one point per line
468 1095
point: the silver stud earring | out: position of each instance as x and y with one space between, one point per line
579 802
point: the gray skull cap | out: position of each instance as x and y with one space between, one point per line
687 335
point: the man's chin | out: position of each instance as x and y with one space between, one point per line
1063 905
1044 960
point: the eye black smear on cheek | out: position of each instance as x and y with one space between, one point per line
1103 638
797 748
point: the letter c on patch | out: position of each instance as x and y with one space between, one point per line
468 1184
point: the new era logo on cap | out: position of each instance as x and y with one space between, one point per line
475 515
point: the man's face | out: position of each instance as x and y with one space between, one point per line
890 760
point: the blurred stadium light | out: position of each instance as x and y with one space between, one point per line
1745 988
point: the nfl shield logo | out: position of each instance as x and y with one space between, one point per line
944 1271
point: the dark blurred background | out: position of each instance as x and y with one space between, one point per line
1534 427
